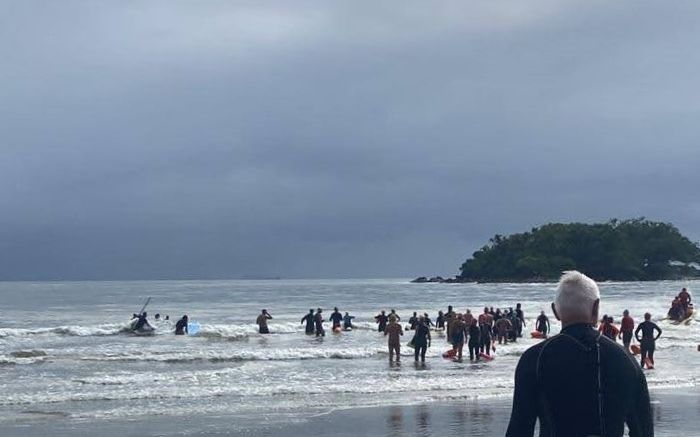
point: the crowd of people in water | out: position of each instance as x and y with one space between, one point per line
479 333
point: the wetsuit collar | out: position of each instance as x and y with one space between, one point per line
577 329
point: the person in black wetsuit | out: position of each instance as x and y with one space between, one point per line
427 321
318 321
336 318
474 340
347 321
520 315
421 339
381 320
142 321
181 326
648 340
413 321
309 320
579 383
542 324
440 320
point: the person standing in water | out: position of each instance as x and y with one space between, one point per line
318 321
413 321
393 313
608 329
181 326
440 321
394 331
336 318
485 322
503 325
459 333
421 339
381 320
579 383
427 321
520 315
309 321
474 340
542 324
347 321
626 329
449 318
262 322
648 340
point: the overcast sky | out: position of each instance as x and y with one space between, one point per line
221 139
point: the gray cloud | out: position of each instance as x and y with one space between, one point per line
220 139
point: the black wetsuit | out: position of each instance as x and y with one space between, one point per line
648 340
485 338
556 381
140 323
413 322
420 341
521 317
440 322
381 320
474 342
336 318
309 320
543 324
181 327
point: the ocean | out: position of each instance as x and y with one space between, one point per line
67 360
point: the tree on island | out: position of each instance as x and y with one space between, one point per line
628 250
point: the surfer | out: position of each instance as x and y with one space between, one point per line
141 322
347 321
579 383
626 329
381 320
393 313
542 324
318 320
336 318
309 321
427 321
421 339
413 321
474 340
648 340
181 326
394 331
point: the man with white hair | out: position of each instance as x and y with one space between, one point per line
579 383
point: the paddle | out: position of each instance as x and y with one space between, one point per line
144 306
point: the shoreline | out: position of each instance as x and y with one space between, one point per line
675 413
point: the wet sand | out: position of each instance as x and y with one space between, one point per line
675 413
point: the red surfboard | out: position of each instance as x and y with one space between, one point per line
636 350
485 357
537 334
449 354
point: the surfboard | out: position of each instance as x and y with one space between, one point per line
485 357
649 364
537 334
193 328
449 354
636 350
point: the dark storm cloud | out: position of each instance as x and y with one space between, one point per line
221 139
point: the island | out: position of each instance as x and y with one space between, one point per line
618 250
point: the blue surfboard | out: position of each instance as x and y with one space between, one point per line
193 328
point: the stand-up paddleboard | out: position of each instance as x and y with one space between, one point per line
537 334
636 350
449 354
485 357
649 363
193 328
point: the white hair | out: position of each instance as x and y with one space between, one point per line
576 294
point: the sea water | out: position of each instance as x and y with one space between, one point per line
65 350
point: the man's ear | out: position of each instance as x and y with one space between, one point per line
595 312
554 310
